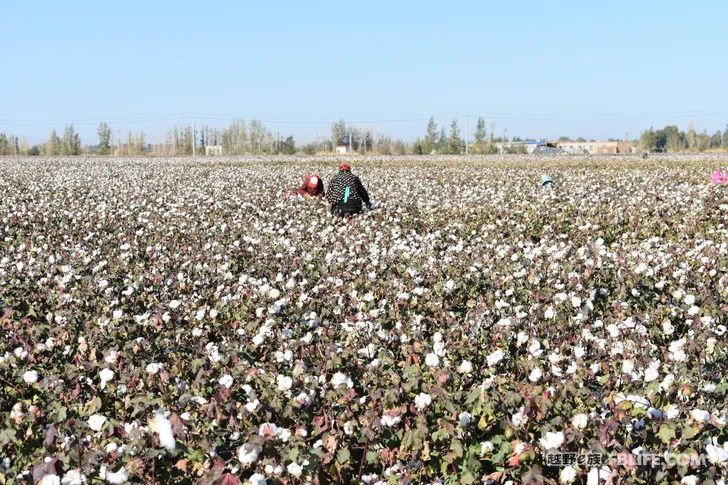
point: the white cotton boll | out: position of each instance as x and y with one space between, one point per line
174 304
257 479
717 454
689 300
73 477
534 348
303 399
552 440
439 348
284 434
521 338
160 424
432 360
30 377
699 415
651 374
579 421
153 368
535 375
390 421
340 379
495 357
268 430
422 400
295 469
96 422
248 453
105 375
549 313
50 480
284 383
689 480
226 380
465 419
519 419
466 367
676 350
119 476
567 474
671 411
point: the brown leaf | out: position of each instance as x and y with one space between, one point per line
227 479
50 435
178 426
181 465
330 443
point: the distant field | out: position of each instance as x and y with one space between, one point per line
175 320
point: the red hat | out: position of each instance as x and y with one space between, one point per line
313 181
344 166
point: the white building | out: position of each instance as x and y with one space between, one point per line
213 150
343 149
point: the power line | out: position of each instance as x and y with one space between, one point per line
553 116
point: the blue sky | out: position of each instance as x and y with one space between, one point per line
593 69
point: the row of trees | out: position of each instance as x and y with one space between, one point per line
253 137
439 141
671 139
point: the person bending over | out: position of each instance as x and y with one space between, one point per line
346 193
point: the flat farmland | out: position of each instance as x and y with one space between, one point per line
186 321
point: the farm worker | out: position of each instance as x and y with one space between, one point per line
718 178
547 182
346 193
313 186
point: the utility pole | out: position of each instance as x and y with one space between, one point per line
349 139
466 134
194 135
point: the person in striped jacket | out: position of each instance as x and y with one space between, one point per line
346 193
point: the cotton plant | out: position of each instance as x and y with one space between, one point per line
187 319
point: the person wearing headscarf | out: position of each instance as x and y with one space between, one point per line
347 194
313 186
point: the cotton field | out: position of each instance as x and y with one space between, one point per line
185 321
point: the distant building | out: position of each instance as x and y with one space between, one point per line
343 149
596 147
516 146
213 150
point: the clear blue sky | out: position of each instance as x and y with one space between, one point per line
593 69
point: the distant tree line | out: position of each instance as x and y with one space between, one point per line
253 137
671 139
